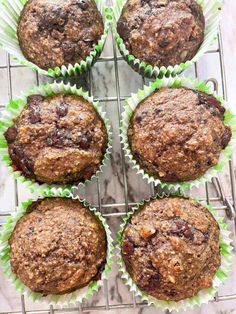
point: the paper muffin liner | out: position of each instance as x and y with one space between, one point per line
10 11
205 295
67 299
211 10
132 102
13 110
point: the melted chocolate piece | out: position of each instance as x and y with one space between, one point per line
11 134
62 110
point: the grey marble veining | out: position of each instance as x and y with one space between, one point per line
111 181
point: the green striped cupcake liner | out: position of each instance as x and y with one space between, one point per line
211 10
132 102
10 11
13 110
66 299
205 295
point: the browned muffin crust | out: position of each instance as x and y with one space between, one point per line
171 248
162 32
57 139
177 134
53 33
58 246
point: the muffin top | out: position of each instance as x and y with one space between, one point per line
171 248
58 246
53 33
177 134
57 139
162 32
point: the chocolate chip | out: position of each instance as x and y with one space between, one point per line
82 4
157 111
164 43
99 273
226 136
127 246
84 141
137 156
123 28
206 237
68 49
86 173
170 293
34 100
11 134
191 38
188 232
21 162
89 39
30 231
144 2
209 162
53 20
58 138
180 224
62 110
154 281
34 115
138 118
210 102
18 151
182 228
138 22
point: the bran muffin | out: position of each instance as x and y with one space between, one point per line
171 248
53 33
177 134
57 139
162 32
58 246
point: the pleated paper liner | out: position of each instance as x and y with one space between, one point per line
13 110
70 298
132 102
211 10
10 11
205 295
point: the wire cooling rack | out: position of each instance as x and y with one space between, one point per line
225 203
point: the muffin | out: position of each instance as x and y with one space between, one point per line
53 33
171 248
162 32
177 134
58 246
57 139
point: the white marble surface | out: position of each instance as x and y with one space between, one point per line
112 180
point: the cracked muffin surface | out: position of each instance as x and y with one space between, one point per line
170 247
177 134
57 139
53 33
162 32
58 246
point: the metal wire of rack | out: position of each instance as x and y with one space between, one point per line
222 202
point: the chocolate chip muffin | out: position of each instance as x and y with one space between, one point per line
162 32
58 246
57 139
53 33
171 248
177 134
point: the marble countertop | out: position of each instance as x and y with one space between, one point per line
112 179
